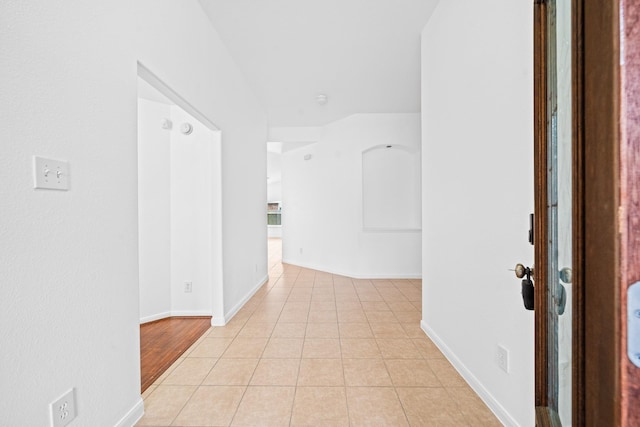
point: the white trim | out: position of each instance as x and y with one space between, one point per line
148 76
229 315
190 313
390 276
218 321
484 394
155 317
390 230
133 415
166 314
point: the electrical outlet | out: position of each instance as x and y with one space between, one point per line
188 287
502 358
63 409
300 251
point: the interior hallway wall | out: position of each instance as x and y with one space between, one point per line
69 259
477 115
176 199
195 166
323 197
154 210
177 42
274 185
69 300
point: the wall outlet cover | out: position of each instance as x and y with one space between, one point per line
63 409
502 358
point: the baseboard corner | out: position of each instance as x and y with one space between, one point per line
234 310
498 410
133 415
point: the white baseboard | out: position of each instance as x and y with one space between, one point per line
190 313
166 314
154 317
499 411
133 415
234 310
350 273
218 321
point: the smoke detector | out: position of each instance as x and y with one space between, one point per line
186 128
321 99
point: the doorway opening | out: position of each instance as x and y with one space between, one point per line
179 207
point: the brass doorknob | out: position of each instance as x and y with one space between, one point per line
522 271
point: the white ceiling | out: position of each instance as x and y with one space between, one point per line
363 54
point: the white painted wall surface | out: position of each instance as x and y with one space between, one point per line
295 133
177 42
154 207
274 175
69 259
193 161
274 231
391 188
477 150
274 191
179 229
322 201
69 300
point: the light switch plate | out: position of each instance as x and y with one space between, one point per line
50 174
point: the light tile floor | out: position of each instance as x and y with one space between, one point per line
316 349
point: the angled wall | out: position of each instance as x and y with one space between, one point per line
322 189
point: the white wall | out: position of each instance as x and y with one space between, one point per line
69 296
477 150
154 208
178 44
195 161
69 259
391 188
274 172
322 201
177 194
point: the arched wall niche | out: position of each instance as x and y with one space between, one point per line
391 188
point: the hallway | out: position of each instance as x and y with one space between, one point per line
316 349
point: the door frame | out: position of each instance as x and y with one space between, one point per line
606 171
544 417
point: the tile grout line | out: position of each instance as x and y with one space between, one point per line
235 413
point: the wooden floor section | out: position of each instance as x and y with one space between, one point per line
162 342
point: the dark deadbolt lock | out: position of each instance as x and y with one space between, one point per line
527 293
525 274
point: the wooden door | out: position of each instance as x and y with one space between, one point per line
554 287
605 214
